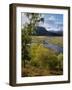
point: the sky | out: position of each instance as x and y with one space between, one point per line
52 22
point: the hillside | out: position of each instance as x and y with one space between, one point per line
41 31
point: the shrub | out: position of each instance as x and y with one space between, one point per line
43 57
60 60
53 62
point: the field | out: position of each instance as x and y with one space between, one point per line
42 58
54 40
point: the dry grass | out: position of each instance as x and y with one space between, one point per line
53 40
31 71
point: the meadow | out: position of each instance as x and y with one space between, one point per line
57 40
41 60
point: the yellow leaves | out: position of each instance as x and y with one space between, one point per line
40 55
60 56
44 57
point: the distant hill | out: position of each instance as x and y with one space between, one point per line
41 31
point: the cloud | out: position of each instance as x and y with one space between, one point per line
51 18
24 19
51 22
51 27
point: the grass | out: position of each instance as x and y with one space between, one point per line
53 40
30 71
40 54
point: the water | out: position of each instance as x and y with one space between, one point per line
53 47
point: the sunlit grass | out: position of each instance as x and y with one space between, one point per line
53 40
43 61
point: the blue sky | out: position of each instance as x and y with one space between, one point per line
52 22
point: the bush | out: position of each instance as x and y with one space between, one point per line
53 61
43 57
60 60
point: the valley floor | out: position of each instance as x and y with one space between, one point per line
44 61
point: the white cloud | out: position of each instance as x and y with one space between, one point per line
51 18
24 19
50 23
58 22
50 27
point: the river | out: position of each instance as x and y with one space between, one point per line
53 46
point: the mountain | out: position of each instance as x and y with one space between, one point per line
41 31
59 33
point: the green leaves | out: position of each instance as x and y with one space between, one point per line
45 58
60 60
36 59
27 31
